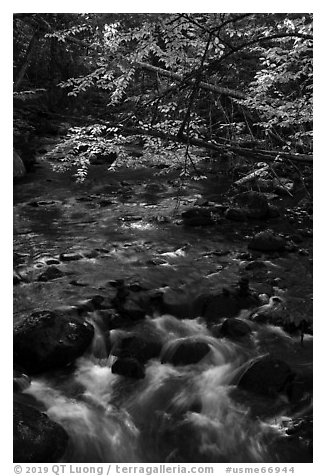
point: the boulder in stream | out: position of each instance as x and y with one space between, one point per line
253 204
267 240
70 256
52 272
235 328
128 367
227 303
37 439
185 351
267 376
197 217
21 381
17 277
141 348
19 169
235 214
47 340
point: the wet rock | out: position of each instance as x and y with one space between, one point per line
130 305
104 202
90 254
45 203
161 219
264 298
267 376
255 265
202 202
19 169
244 256
227 303
157 262
128 367
74 282
52 272
111 319
175 302
137 287
235 328
273 211
17 279
130 218
155 187
41 203
197 217
299 440
52 261
37 439
267 240
219 252
236 214
271 313
297 238
102 250
70 256
21 381
296 391
254 204
48 340
130 309
90 304
185 351
140 348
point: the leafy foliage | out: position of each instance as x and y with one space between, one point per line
146 71
282 88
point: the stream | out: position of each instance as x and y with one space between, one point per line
126 225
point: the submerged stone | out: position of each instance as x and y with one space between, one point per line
48 340
52 272
236 214
128 367
19 169
235 328
185 351
253 204
21 381
140 348
268 376
267 240
197 217
37 439
70 256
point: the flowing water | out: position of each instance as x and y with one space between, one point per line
190 413
175 414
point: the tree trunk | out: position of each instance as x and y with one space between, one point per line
28 57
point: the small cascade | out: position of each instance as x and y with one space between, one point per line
177 413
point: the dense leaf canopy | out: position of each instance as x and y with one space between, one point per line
217 77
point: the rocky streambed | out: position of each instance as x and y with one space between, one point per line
159 321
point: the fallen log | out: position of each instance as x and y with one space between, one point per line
209 87
252 176
255 154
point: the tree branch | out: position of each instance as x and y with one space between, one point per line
207 86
